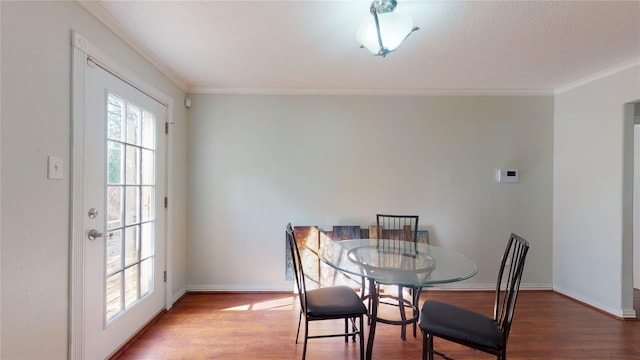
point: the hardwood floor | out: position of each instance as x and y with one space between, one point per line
263 326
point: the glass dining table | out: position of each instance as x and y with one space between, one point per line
395 262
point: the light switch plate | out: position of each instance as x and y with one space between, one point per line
54 168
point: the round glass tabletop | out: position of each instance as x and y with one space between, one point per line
398 262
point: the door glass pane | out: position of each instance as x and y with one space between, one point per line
148 208
130 196
115 113
148 172
134 118
132 205
148 130
131 245
114 252
133 165
114 162
131 281
114 295
146 277
146 240
114 209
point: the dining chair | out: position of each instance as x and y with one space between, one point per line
472 329
401 228
325 303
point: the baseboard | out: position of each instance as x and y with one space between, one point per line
122 348
629 314
239 288
175 297
289 287
485 287
619 313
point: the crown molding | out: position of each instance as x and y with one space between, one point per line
599 75
372 92
104 17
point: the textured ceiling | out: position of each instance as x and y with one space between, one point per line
310 46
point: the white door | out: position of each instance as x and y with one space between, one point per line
124 190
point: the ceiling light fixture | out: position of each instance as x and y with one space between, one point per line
387 30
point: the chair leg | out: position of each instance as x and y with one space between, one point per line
346 330
427 346
403 315
424 345
373 287
306 337
361 333
416 310
299 321
354 329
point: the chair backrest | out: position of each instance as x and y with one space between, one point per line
397 227
508 284
298 272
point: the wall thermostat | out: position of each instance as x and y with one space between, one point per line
507 176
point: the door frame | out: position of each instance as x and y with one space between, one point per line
81 50
635 111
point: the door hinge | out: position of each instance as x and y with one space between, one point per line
166 128
166 202
165 276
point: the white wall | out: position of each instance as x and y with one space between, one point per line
36 99
593 188
257 162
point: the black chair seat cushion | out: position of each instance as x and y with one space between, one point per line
334 302
449 321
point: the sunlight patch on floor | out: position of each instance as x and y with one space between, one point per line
286 303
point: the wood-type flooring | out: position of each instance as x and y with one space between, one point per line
246 326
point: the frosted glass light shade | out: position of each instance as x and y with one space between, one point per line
394 28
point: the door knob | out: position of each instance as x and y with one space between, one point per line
94 234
